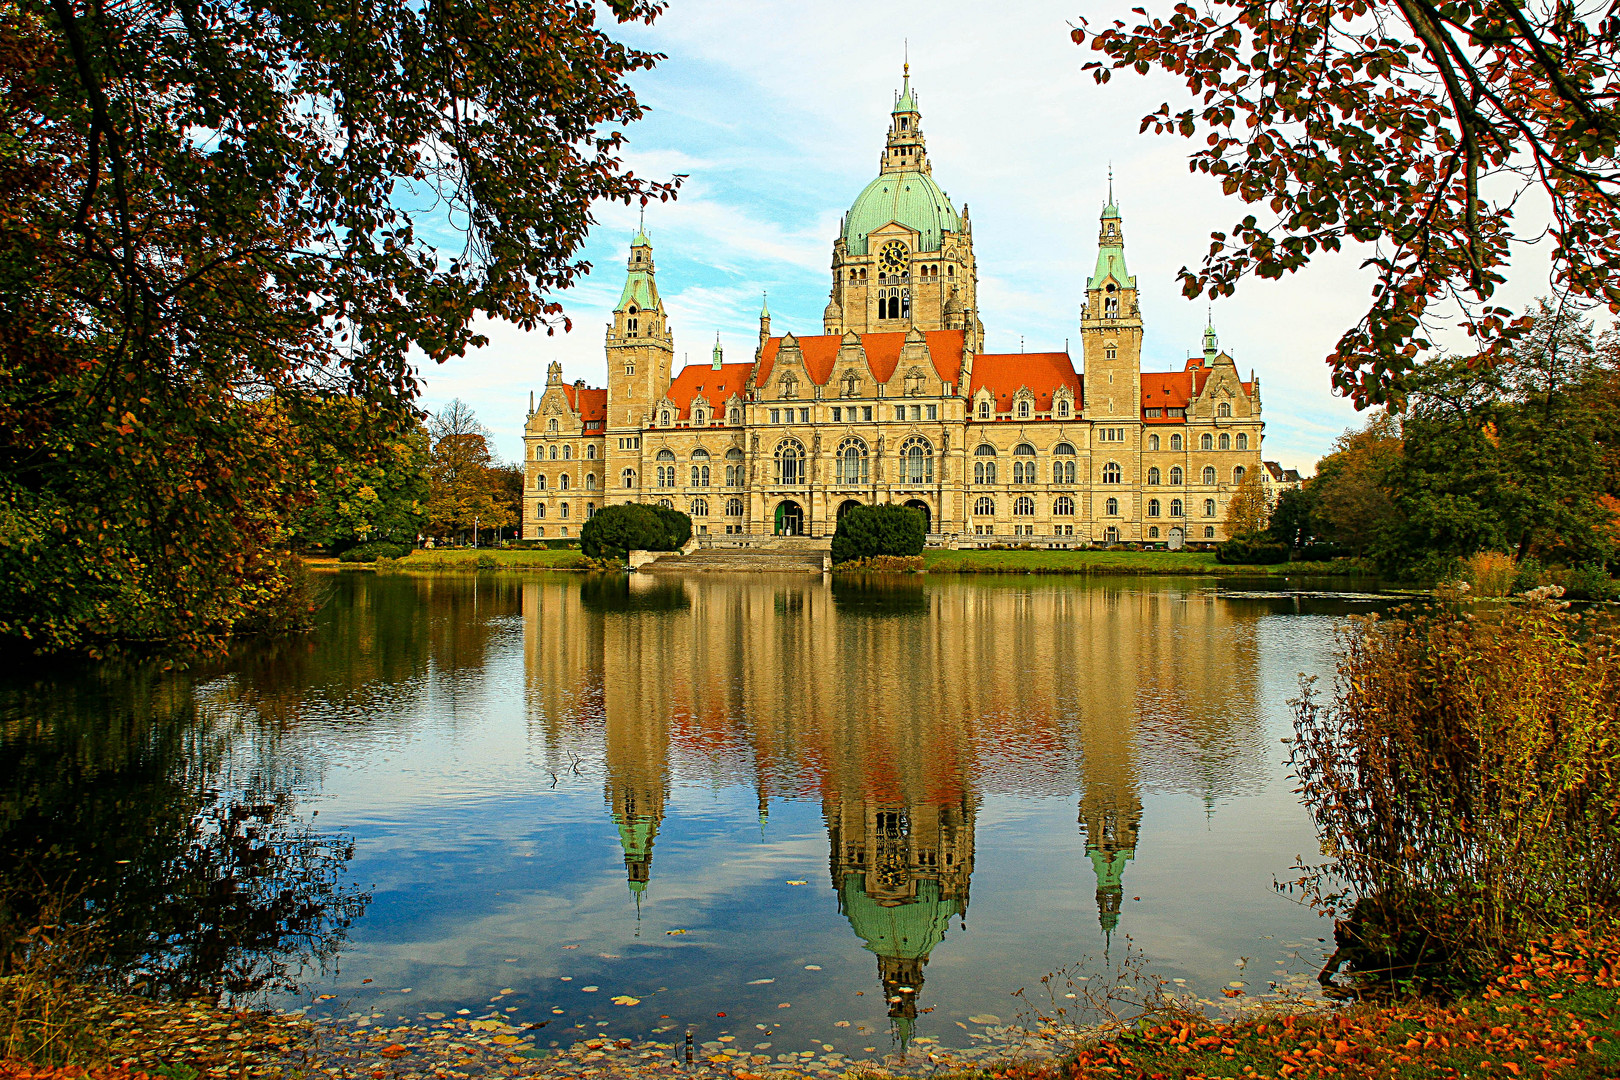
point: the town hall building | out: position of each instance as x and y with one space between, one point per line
896 401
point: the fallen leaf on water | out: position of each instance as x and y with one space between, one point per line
570 946
626 999
785 1005
396 1050
840 1023
798 883
1232 993
812 967
590 989
672 933
984 1018
760 982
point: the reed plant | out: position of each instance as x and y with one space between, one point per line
1464 777
1490 573
45 993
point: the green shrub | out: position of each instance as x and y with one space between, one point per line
372 550
615 531
1588 583
1251 551
1465 782
869 531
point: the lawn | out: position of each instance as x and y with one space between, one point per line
977 561
469 559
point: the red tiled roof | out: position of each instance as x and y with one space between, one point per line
1043 373
717 387
882 355
590 402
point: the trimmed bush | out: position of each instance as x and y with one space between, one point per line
1250 551
615 531
373 550
869 531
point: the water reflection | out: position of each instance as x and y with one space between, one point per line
529 764
899 706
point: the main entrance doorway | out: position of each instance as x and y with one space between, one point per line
1174 543
922 508
789 518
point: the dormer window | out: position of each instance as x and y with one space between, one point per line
984 410
663 418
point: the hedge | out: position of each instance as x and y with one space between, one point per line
866 532
615 531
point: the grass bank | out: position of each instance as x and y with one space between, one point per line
1549 1012
1181 563
489 559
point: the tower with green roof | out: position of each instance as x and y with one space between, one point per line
1111 338
640 356
904 256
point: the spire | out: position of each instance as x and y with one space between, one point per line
640 286
1111 209
1111 246
905 102
641 231
717 351
1211 344
764 305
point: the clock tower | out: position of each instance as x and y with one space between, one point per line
904 256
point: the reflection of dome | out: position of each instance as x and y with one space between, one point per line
907 930
1110 868
908 197
636 832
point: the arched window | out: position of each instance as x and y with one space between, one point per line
568 453
1175 442
734 467
700 508
1024 470
1206 441
1112 473
790 462
540 481
628 478
539 510
1111 507
663 418
1063 408
1023 410
1175 476
590 452
1209 507
562 510
852 467
1153 508
665 455
984 464
734 508
697 416
1153 476
590 510
1224 409
984 409
1153 442
1153 532
917 461
1024 506
1242 440
553 453
700 476
1226 441
1063 465
1062 506
667 504
666 473
562 482
1238 473
590 481
551 425
983 507
734 418
1209 532
1175 508
1209 474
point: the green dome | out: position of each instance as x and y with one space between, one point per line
907 196
908 930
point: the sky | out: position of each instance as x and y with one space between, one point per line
777 113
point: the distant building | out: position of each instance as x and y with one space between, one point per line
897 401
1277 480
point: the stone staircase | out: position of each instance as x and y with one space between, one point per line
766 555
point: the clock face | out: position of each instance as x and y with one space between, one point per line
893 257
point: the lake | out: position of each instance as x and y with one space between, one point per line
799 813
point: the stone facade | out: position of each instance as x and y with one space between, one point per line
896 401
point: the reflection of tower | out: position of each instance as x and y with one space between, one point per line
1109 818
637 784
901 872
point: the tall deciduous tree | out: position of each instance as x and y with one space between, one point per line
204 206
466 490
1247 512
1352 503
1414 126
